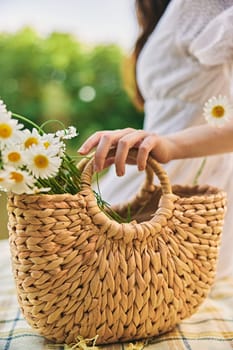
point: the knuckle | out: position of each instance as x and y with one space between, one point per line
153 137
143 148
123 142
130 129
106 138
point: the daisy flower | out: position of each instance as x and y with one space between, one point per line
31 138
9 130
42 162
13 155
67 134
218 110
53 143
22 181
17 181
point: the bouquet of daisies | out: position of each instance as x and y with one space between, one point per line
34 161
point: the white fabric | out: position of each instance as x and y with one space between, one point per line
186 60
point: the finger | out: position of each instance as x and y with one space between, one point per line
90 143
102 150
144 150
123 147
106 141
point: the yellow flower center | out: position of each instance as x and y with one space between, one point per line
14 157
30 141
41 161
17 177
218 112
1 179
46 144
5 131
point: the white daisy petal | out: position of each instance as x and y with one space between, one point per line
5 181
71 132
60 133
4 114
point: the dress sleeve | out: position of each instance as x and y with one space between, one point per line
214 44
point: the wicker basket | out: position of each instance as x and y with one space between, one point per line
78 272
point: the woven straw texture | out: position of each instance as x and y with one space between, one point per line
79 272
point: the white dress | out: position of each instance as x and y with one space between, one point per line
186 60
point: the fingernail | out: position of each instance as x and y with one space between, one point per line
81 150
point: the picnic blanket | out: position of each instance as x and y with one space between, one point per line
211 328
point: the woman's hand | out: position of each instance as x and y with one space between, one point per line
123 140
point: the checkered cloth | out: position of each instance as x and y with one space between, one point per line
211 328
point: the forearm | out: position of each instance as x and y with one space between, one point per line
202 141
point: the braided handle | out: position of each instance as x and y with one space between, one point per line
153 167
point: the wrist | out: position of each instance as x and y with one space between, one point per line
175 148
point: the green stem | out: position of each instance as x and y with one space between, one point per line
28 121
52 121
199 171
106 207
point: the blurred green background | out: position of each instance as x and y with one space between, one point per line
56 77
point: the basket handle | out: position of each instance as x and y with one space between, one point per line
153 167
